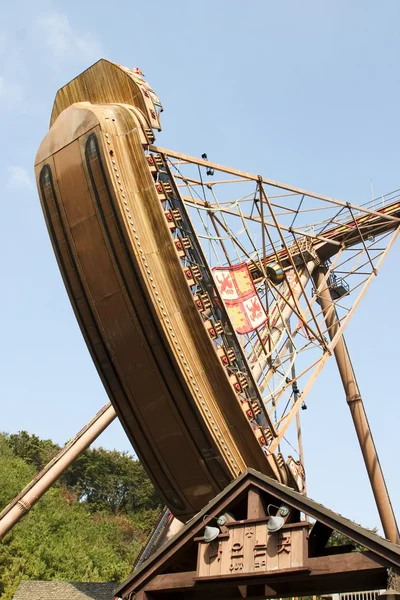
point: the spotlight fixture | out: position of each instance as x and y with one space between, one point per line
210 533
277 521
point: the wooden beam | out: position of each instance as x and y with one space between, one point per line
142 595
345 549
172 582
344 563
256 591
326 570
259 591
319 537
255 508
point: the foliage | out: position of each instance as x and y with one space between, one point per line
31 449
338 539
102 479
89 527
14 473
111 481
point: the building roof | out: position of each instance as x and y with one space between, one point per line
64 590
379 546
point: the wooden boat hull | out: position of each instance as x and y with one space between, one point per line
136 310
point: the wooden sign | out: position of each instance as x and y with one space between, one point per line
251 548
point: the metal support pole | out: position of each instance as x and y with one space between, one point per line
22 504
354 400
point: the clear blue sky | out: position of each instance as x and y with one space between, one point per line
302 92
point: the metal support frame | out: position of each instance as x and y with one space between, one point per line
22 503
251 177
357 409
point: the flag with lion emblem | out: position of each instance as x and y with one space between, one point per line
240 297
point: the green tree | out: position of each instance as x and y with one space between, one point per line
61 538
110 480
32 449
15 473
103 479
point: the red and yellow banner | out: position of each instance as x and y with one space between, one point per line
240 297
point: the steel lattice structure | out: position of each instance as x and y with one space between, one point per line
210 298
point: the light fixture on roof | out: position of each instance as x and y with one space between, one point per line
276 522
210 533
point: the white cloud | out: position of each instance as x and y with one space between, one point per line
19 178
10 93
64 41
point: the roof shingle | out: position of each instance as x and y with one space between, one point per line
64 590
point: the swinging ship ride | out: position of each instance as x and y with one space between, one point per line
208 302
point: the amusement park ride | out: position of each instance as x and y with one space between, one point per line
209 298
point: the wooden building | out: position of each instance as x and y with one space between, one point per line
248 560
